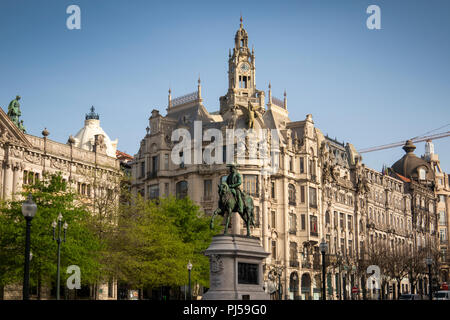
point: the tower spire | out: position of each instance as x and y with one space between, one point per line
241 22
285 99
199 88
170 99
270 93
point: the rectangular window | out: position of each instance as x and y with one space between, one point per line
341 220
274 250
166 162
312 197
303 221
142 169
442 218
25 177
273 219
251 184
155 164
153 191
291 164
273 189
292 223
313 226
207 189
343 246
350 247
349 222
443 235
302 165
302 194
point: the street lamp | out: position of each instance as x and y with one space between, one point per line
323 248
189 267
429 263
29 209
59 240
339 263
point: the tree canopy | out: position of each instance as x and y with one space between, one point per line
52 196
156 239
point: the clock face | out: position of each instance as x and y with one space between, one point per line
245 67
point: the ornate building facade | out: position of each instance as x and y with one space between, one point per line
442 191
85 162
319 188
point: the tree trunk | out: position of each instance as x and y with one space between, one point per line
398 288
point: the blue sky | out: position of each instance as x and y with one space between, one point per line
366 87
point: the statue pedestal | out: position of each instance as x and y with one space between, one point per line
236 268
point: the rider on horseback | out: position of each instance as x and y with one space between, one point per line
234 180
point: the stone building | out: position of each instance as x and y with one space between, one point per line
87 162
318 188
442 191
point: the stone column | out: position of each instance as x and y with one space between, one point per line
264 219
7 180
15 170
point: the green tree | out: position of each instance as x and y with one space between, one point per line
156 239
52 197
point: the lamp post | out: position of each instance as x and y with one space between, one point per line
189 267
279 272
279 286
339 263
429 263
59 240
323 249
29 209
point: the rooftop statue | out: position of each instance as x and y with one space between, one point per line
233 199
14 113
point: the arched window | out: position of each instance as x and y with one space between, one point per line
181 189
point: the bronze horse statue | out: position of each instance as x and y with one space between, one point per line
228 205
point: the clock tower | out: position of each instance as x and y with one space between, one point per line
241 76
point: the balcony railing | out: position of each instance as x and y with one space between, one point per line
293 263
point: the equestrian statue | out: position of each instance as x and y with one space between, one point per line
233 199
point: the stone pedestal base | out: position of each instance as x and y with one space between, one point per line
236 268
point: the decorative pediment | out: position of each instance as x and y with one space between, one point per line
10 133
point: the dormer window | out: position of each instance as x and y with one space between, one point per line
422 174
